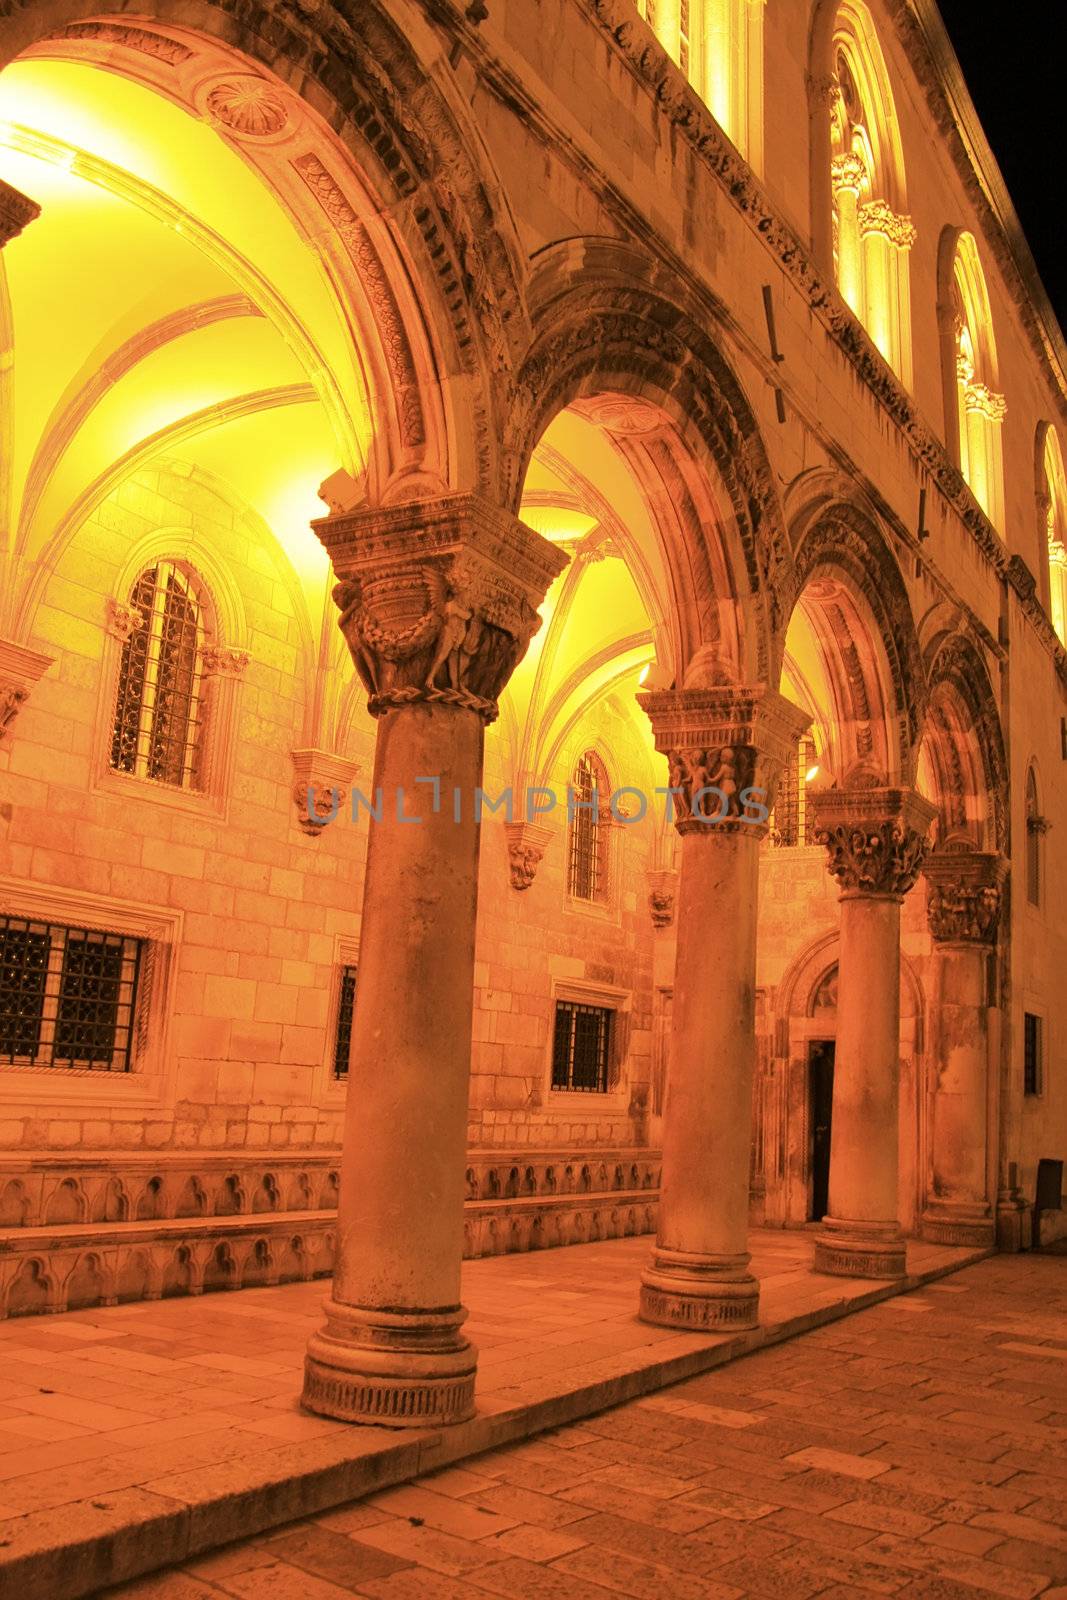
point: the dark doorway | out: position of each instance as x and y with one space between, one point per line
821 1102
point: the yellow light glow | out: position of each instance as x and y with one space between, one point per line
812 773
558 523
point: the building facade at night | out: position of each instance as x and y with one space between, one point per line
703 329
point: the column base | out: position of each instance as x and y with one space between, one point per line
392 1369
860 1249
963 1224
700 1293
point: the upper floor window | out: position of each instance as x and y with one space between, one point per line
974 410
158 723
67 996
1053 494
718 44
588 799
1032 1054
872 235
1036 827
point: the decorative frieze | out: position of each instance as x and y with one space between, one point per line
438 600
527 842
964 894
16 211
322 780
875 836
20 669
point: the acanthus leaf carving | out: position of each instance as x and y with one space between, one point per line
875 837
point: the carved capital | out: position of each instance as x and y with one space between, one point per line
16 211
875 837
825 91
725 747
980 398
964 893
321 783
438 599
123 620
527 842
847 173
20 669
877 217
662 889
224 660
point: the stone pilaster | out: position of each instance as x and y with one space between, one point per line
438 603
875 837
964 898
725 746
16 211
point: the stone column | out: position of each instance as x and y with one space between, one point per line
964 888
876 839
438 605
16 210
725 745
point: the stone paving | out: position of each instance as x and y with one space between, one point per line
915 1449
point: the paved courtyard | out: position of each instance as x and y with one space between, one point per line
915 1449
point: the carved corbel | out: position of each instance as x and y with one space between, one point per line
662 889
321 783
20 670
527 842
16 211
224 661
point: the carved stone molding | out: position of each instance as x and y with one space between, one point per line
247 106
321 783
980 398
964 893
847 172
20 669
875 836
16 211
527 842
725 746
438 599
662 892
123 620
225 661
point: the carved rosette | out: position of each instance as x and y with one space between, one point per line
16 211
20 669
875 837
322 780
438 599
527 843
725 747
964 894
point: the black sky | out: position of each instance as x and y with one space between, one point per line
1014 71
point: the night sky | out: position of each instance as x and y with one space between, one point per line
1014 72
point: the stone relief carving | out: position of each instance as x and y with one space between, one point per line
139 39
225 661
527 842
123 620
248 106
875 837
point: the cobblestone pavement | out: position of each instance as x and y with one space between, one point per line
916 1449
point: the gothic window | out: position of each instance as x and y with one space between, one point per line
159 705
346 1001
581 1047
718 44
588 801
1035 832
872 236
68 996
974 409
791 822
1053 493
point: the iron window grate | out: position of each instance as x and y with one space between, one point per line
156 732
581 1047
345 1007
585 876
68 996
791 819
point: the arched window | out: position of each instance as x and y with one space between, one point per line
1053 499
1036 827
587 866
156 733
974 410
872 235
719 46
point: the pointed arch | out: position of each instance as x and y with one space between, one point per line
963 759
974 406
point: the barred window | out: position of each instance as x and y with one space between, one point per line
1032 1063
581 1047
791 822
159 705
346 1001
587 868
68 996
